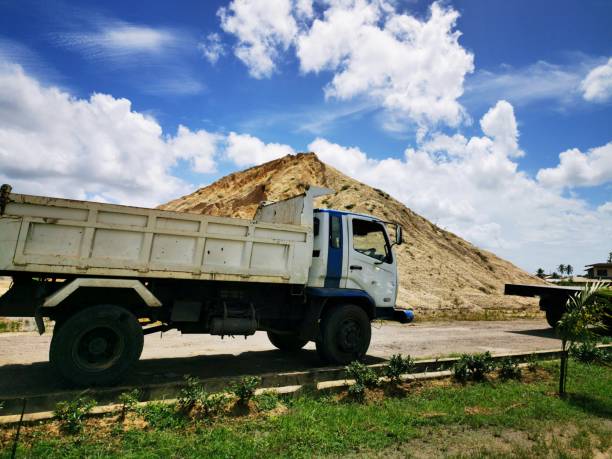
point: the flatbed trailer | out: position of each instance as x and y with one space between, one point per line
553 298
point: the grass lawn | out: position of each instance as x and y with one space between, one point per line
438 418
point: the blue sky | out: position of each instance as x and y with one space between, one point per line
459 109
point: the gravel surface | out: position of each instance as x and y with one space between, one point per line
24 368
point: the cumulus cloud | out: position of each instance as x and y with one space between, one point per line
246 150
412 68
597 86
473 187
577 169
262 27
55 144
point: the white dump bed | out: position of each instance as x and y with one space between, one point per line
66 237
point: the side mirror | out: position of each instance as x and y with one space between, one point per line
399 235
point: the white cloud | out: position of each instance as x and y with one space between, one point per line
473 187
212 47
606 208
499 124
412 68
521 86
576 168
597 86
246 150
262 27
52 143
120 40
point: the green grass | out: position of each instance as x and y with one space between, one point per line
446 420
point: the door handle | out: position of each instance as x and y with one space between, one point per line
356 267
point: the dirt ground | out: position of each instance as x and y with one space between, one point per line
166 357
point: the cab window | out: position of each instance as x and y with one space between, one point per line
369 238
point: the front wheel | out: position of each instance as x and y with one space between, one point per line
96 346
287 342
345 334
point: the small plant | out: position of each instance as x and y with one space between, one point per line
267 401
213 404
398 366
345 187
585 310
129 401
349 206
588 352
473 367
191 394
365 378
509 369
71 414
245 388
532 363
160 415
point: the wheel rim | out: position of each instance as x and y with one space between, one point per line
97 349
349 336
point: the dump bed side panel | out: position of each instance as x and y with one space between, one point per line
61 236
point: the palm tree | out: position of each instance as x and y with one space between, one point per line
561 269
569 269
540 273
610 257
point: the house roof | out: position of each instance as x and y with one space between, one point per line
599 265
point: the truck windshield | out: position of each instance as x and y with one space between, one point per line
370 239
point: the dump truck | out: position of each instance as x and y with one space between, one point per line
107 275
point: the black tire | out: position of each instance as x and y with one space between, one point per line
345 334
96 346
287 342
553 316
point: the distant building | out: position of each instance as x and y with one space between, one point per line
599 271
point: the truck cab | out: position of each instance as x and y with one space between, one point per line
353 252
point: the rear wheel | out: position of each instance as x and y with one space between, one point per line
553 316
287 342
96 346
345 334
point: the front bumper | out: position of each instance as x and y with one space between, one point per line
403 316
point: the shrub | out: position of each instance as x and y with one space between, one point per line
363 374
473 366
267 401
245 388
357 392
509 369
365 378
532 363
191 394
398 366
71 414
213 404
588 352
160 415
129 401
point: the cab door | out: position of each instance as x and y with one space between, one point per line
371 264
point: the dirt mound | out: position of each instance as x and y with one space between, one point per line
440 273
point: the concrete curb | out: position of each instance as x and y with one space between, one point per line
39 407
